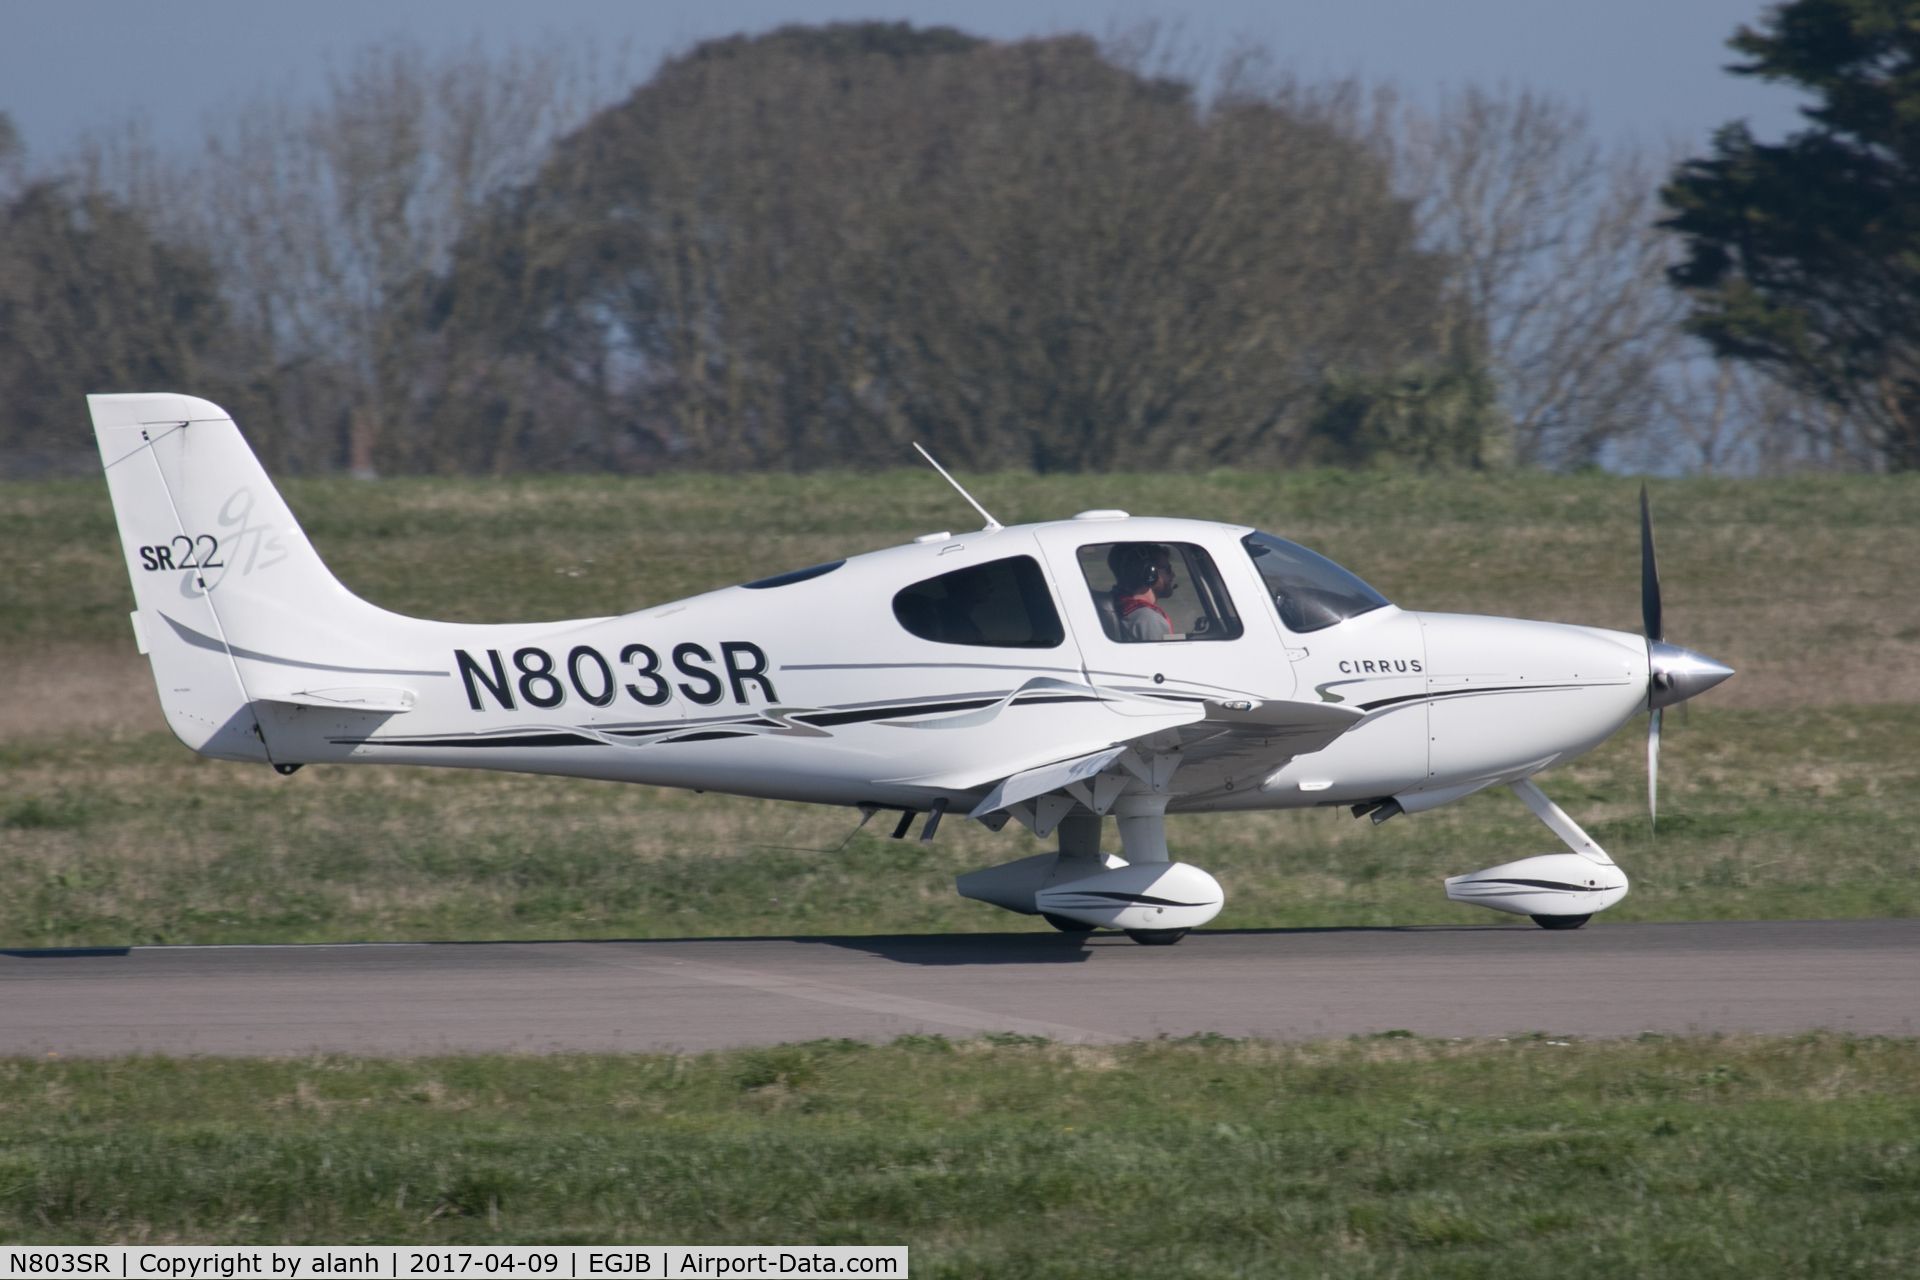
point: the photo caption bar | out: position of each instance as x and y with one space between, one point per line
387 1262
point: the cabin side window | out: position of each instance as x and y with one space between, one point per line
1156 591
1003 604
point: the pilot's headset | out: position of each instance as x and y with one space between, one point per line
1135 565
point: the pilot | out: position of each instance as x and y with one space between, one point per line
1142 577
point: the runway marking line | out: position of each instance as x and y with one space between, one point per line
847 997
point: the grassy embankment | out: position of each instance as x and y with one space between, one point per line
1684 1158
1390 1156
1792 792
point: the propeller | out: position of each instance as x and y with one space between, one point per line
1673 674
1654 627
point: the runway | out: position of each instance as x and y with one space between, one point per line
1860 976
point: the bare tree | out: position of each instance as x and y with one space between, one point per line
13 156
331 222
1727 417
1555 255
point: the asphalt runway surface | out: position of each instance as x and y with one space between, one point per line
1859 976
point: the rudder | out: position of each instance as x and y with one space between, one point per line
220 567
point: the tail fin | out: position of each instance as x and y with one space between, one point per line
221 571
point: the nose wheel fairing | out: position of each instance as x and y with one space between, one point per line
1554 884
1555 889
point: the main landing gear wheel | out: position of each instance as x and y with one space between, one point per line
1065 925
1156 937
1560 922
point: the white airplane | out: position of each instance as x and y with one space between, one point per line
1053 674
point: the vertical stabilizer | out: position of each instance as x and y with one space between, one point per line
222 573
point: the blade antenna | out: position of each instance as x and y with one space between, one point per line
993 526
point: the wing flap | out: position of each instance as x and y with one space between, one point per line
1048 777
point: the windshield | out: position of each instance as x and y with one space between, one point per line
1310 590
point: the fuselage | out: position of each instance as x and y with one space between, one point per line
928 671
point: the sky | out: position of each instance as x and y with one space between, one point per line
1646 70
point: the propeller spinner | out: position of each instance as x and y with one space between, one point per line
1675 674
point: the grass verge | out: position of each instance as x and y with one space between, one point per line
1813 813
1780 798
1008 1157
1800 583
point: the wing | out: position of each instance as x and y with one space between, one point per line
1234 747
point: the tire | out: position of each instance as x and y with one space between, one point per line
1560 922
1064 925
1156 937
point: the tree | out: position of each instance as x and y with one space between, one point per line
92 301
331 223
1803 257
1423 417
1555 260
12 151
808 248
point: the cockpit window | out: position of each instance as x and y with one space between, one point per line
1003 603
1150 591
1310 590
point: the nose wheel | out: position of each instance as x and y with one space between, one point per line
1156 937
1145 937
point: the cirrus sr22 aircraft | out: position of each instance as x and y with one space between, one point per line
1052 674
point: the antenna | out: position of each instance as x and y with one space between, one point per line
993 526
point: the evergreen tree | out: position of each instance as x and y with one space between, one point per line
1804 256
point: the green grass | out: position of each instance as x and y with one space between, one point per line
1381 1157
1801 814
1791 791
1760 572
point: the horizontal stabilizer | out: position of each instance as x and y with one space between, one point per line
387 701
